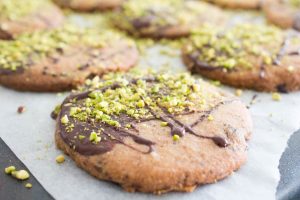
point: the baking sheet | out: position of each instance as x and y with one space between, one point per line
31 137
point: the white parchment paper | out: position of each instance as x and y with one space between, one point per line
31 137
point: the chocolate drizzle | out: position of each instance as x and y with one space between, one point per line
111 135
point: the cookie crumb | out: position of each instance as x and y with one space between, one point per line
276 96
21 109
60 159
238 92
28 185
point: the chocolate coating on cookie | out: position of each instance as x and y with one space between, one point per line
25 16
250 56
117 105
165 19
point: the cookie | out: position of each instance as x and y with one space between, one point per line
238 4
24 16
257 57
285 14
61 59
165 19
89 5
155 133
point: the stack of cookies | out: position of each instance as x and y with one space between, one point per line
148 131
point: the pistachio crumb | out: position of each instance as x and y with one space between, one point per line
176 137
28 185
164 124
94 137
21 174
210 118
60 159
276 96
10 169
64 119
238 92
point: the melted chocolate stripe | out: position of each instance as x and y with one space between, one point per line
221 142
282 50
208 112
179 128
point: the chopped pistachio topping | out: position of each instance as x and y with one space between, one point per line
238 92
241 46
60 159
10 169
276 96
21 174
29 47
94 137
64 120
136 96
28 185
164 123
176 137
16 9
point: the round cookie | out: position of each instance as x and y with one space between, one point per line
89 5
20 16
285 13
156 133
61 59
257 57
165 19
238 4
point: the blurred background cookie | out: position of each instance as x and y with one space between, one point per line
165 19
154 133
89 5
61 59
259 57
238 4
20 16
284 13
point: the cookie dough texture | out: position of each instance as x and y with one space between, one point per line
25 16
89 5
126 144
62 59
285 14
258 57
165 19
